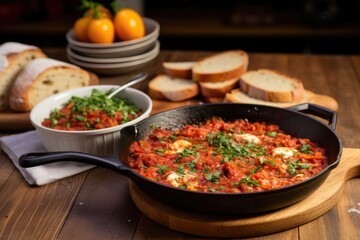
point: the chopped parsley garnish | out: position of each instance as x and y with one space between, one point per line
180 170
293 166
306 148
162 169
229 148
88 109
188 152
271 134
214 177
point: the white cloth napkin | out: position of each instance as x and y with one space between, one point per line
16 145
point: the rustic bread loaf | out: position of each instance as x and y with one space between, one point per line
218 89
272 86
173 89
221 66
178 69
13 57
44 77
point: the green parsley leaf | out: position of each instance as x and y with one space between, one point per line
162 169
271 134
306 148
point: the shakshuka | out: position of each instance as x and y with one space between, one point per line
226 156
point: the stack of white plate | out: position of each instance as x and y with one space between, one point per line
118 57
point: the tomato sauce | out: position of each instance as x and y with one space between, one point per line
219 156
93 112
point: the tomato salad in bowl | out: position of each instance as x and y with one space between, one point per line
86 120
96 111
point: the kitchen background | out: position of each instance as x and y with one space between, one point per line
297 26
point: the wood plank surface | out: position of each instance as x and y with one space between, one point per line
96 204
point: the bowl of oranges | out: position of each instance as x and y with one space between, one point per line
114 42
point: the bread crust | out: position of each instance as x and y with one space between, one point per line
165 87
262 93
26 84
13 57
227 74
178 69
218 89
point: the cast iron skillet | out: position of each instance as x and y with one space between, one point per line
292 121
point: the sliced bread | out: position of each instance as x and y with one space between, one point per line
238 96
44 77
271 85
173 89
218 89
13 57
178 69
221 66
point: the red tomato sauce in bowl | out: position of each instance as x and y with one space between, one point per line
93 112
219 156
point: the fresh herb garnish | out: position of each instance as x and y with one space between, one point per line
229 148
271 134
306 148
293 166
162 169
214 177
80 109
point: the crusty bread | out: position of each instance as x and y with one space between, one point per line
44 77
222 66
178 69
271 85
13 57
238 96
218 89
173 89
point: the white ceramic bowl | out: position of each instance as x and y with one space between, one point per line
117 68
152 29
99 142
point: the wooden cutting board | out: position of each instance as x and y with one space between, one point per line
207 225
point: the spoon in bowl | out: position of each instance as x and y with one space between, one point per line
137 78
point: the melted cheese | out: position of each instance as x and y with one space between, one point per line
175 179
249 138
285 152
178 146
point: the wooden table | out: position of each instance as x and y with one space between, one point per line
96 204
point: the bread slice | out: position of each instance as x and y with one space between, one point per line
42 78
272 86
221 66
238 96
218 89
13 57
178 69
173 89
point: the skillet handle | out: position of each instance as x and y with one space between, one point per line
318 111
40 158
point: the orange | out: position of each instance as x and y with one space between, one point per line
101 31
80 29
128 24
103 12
